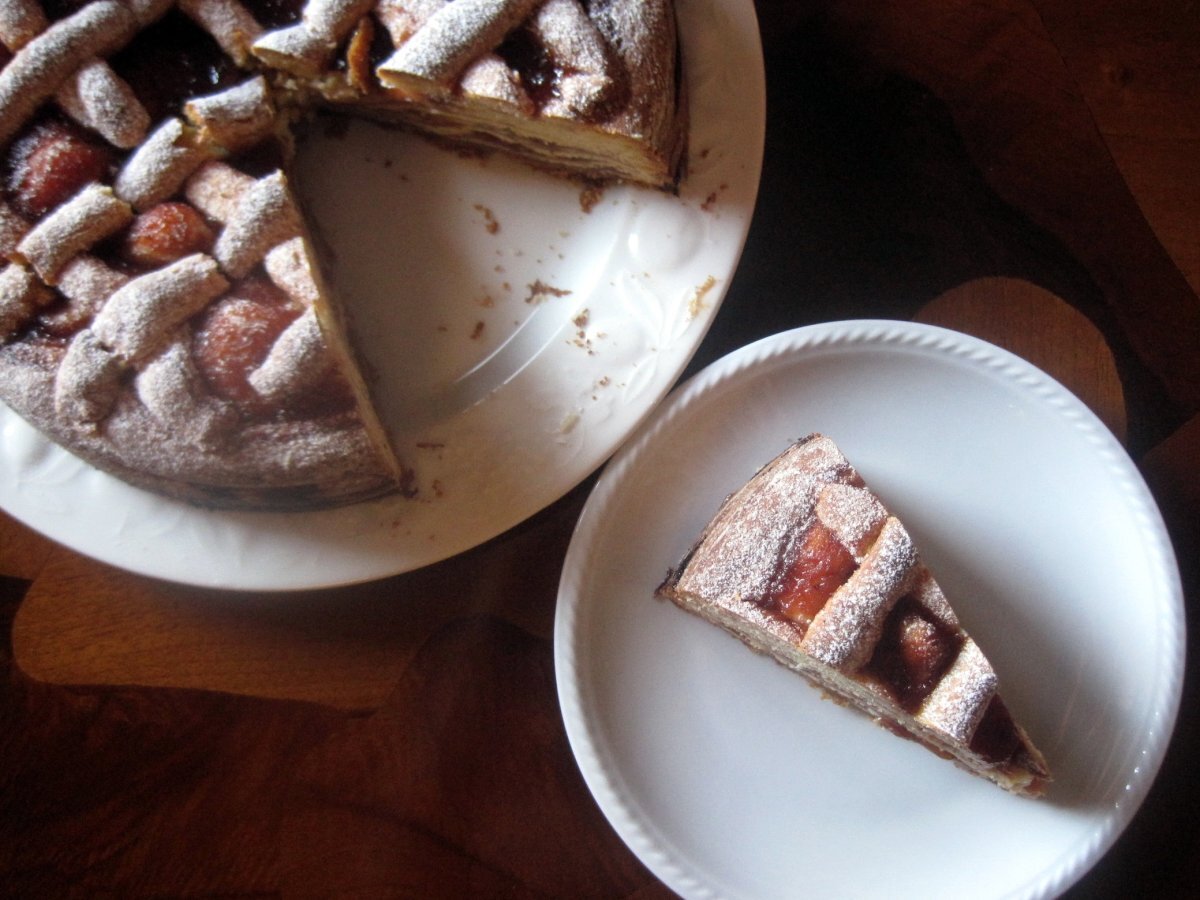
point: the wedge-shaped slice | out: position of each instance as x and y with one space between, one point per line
805 564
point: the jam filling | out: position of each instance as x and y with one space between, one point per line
820 566
996 737
170 62
273 14
382 45
528 57
233 337
60 9
50 160
235 334
913 653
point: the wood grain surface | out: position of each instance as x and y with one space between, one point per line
1022 170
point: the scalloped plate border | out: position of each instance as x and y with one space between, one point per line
588 629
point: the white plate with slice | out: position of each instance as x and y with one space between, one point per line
728 775
517 338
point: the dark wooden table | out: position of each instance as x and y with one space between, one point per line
1023 170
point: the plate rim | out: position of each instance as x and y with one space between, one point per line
622 810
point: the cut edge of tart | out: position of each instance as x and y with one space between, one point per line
805 564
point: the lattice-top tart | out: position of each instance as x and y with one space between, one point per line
162 312
805 564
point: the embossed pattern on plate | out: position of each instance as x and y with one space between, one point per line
728 775
517 338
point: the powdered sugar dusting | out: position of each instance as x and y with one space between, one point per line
577 47
88 280
41 66
752 537
289 267
84 283
138 318
171 388
88 380
928 595
20 22
230 24
490 76
265 215
90 216
957 703
305 48
853 514
298 359
21 294
454 35
844 633
12 229
216 189
236 118
97 98
160 166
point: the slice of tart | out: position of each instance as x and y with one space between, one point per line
805 564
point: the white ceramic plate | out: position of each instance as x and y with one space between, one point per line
729 776
503 396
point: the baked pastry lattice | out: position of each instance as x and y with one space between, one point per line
805 564
162 311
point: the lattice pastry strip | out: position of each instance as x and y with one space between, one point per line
137 318
22 294
957 703
158 169
83 221
133 325
94 95
173 390
231 25
289 266
85 283
457 33
88 380
234 119
298 359
46 62
847 629
307 47
570 37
